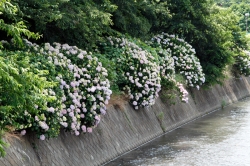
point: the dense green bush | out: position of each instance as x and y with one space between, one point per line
24 94
17 96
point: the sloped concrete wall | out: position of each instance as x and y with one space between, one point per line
121 129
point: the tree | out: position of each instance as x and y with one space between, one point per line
76 22
207 31
12 26
241 9
140 18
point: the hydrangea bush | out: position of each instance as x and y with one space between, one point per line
168 75
185 61
243 63
167 70
138 71
83 88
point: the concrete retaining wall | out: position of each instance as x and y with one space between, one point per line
121 129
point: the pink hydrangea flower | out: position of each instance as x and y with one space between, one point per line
36 118
71 114
71 67
83 128
51 109
89 130
72 84
80 56
72 107
42 137
23 132
103 112
77 133
64 111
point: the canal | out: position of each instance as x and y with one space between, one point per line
221 138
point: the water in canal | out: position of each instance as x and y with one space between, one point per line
221 138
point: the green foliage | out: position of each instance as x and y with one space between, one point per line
248 41
223 3
41 12
241 9
160 15
7 7
76 22
234 40
160 116
23 92
229 3
198 23
139 18
113 77
15 29
223 104
3 144
129 18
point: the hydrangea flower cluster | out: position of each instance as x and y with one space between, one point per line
167 64
243 63
186 63
139 70
167 67
84 87
183 92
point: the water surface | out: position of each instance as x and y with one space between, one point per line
221 138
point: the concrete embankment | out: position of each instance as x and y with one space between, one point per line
121 129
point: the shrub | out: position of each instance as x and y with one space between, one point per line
168 75
11 25
25 94
243 63
84 88
137 70
185 61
